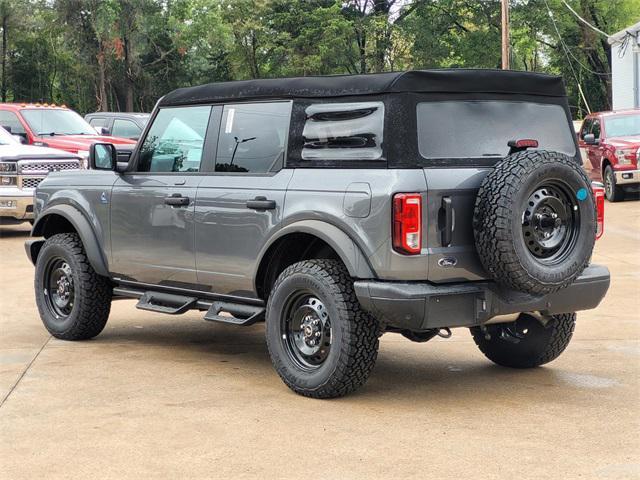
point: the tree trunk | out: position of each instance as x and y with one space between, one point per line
4 58
128 75
101 94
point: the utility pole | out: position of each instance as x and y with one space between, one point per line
505 34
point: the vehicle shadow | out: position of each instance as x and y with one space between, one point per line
15 231
430 373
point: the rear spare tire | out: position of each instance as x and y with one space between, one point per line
535 221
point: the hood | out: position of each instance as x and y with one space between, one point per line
73 143
22 152
624 142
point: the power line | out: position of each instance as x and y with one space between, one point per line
565 49
568 50
583 20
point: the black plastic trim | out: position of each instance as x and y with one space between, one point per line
421 306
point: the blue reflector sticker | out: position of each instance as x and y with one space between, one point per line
581 194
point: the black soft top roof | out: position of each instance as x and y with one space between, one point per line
421 81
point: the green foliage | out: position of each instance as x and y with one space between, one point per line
125 54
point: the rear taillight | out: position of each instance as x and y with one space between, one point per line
598 195
407 223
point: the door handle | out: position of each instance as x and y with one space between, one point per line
446 221
261 203
176 200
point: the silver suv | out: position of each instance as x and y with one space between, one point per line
336 209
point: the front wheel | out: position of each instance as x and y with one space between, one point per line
612 191
525 343
73 300
321 343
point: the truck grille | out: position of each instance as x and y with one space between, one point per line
46 167
32 172
31 182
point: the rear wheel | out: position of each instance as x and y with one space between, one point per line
73 300
321 343
612 191
525 343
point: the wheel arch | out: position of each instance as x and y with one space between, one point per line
304 240
67 219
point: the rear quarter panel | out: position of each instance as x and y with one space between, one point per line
339 197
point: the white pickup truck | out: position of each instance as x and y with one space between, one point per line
22 168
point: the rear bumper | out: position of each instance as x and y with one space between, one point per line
16 203
626 177
422 306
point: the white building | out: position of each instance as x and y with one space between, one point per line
625 66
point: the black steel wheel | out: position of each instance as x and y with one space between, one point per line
73 300
551 222
321 343
306 330
58 288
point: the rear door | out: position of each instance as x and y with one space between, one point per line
239 205
152 208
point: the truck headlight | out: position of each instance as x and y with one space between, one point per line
84 155
625 156
7 167
6 181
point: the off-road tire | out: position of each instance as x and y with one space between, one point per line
612 191
540 344
92 292
499 217
354 337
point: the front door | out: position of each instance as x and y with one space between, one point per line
152 208
239 206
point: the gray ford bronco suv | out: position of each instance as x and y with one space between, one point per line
336 209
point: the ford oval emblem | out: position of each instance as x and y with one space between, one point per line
446 262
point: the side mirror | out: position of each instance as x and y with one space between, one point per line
103 156
103 130
590 139
22 139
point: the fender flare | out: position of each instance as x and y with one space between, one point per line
85 232
348 251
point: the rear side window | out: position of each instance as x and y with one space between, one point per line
343 131
98 122
125 129
479 128
10 119
253 137
175 141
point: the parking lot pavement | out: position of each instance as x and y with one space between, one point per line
172 397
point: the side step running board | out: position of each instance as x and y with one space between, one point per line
242 314
165 303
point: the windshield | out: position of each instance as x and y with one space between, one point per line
47 121
622 126
6 138
482 128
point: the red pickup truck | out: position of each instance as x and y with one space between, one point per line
54 126
611 143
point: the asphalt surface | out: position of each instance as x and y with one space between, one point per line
174 397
